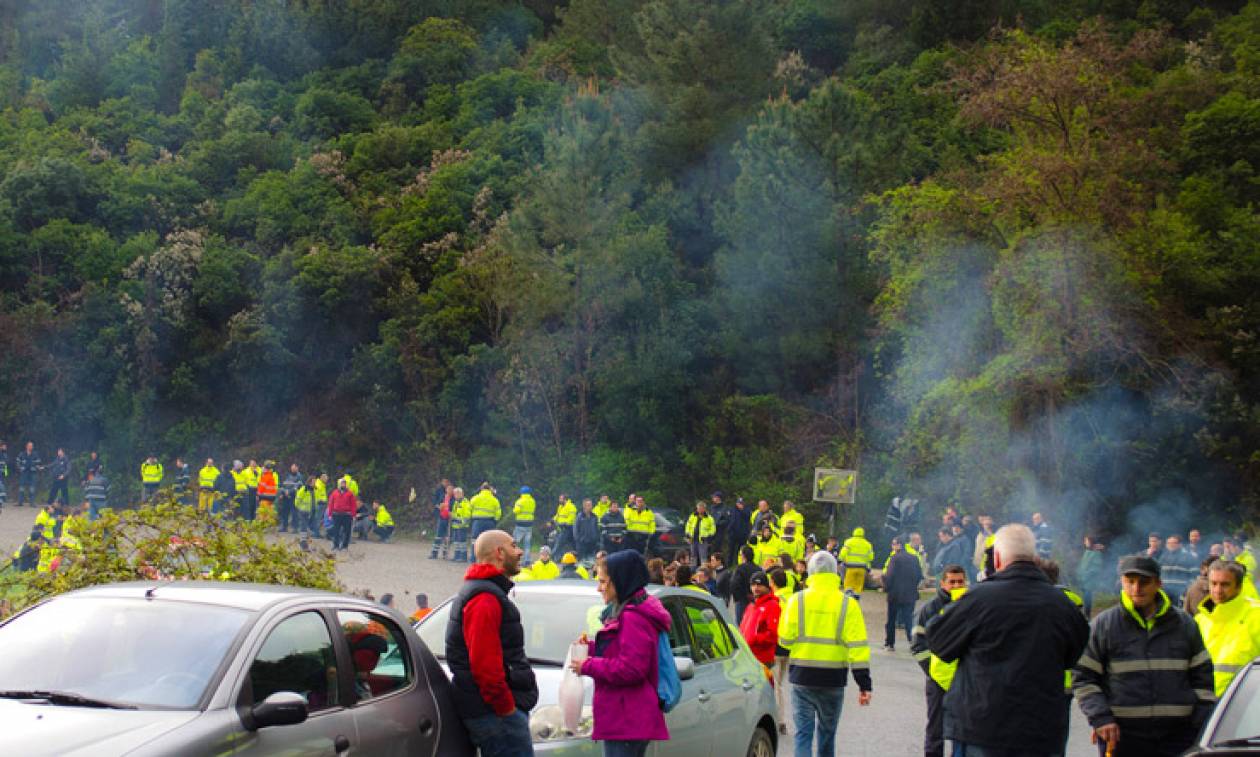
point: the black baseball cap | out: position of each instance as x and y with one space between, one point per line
1139 565
760 578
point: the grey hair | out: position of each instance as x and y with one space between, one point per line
1015 542
821 562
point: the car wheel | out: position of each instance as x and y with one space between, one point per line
761 745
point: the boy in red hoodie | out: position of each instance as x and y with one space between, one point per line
760 626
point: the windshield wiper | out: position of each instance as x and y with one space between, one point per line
1239 742
65 698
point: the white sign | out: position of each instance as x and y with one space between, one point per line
835 485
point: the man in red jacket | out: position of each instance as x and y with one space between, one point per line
760 626
342 505
493 685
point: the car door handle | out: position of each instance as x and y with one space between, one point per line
426 727
703 696
748 685
341 744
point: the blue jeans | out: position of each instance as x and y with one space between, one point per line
625 748
816 706
524 536
501 737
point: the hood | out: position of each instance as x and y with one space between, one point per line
31 728
628 572
652 609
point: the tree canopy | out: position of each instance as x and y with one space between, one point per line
994 253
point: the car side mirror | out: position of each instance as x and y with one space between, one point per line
281 708
686 668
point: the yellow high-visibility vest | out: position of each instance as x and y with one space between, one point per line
1231 633
640 521
151 473
523 510
566 514
822 627
485 505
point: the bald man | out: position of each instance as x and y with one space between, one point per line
494 687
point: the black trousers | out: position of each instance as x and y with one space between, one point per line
1137 740
934 739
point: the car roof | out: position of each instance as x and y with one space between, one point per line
243 596
579 586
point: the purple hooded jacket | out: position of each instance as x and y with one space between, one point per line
625 704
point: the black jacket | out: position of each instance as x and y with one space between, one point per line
740 588
738 527
918 637
28 463
901 580
586 530
1128 669
516 666
1013 636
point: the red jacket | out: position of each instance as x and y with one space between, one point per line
760 627
342 501
482 618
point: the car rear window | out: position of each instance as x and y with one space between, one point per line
150 654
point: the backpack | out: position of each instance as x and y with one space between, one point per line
668 684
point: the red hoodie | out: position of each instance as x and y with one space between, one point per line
482 617
342 501
760 627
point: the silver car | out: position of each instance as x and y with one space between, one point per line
193 668
727 705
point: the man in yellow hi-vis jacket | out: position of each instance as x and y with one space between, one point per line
823 630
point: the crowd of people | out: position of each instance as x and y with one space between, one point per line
311 505
1005 645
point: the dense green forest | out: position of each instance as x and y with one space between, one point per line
997 252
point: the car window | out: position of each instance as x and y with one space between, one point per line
298 656
1241 716
382 663
708 631
679 629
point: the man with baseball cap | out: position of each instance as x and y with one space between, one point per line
1145 679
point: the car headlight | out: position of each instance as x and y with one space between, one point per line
547 724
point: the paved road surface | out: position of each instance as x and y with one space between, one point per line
892 725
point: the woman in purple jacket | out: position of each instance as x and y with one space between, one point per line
622 659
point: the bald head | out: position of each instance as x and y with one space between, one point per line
499 549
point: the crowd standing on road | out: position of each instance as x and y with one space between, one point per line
1004 645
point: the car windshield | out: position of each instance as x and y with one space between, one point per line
1241 716
134 652
551 622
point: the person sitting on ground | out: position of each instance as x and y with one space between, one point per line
384 522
